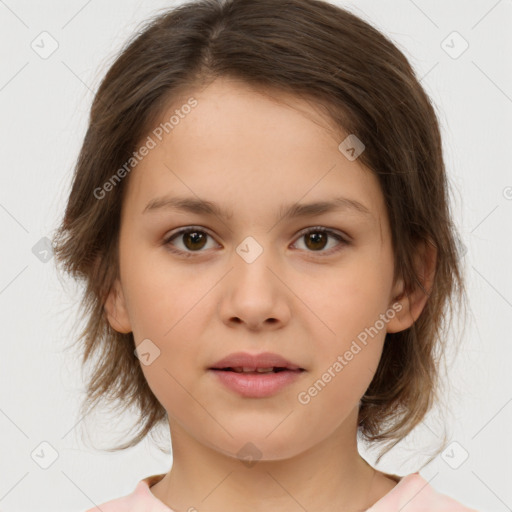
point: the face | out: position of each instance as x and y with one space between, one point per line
307 287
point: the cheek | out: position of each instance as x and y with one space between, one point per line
166 309
349 305
165 305
346 360
157 293
350 297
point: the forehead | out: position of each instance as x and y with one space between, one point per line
239 146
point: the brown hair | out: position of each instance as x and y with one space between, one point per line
311 49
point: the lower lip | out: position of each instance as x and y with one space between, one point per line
254 385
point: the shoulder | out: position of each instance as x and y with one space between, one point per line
140 500
419 496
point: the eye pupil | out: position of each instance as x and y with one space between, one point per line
195 238
317 238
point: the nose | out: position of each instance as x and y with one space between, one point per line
254 295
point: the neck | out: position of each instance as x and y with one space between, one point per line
330 476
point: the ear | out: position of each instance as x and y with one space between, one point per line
412 304
115 308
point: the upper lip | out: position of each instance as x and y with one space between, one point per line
255 361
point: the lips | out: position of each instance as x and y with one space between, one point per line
244 362
255 375
241 369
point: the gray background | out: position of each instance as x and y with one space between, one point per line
44 105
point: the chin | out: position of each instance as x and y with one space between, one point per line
260 446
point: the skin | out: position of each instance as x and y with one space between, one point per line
252 153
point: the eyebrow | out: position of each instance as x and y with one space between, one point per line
201 206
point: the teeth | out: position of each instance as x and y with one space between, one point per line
264 370
243 369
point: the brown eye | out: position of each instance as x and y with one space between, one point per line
194 240
190 240
317 239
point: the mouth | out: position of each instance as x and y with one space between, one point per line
248 370
245 362
249 382
255 375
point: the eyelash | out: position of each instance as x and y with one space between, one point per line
317 229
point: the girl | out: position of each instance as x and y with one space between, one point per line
260 216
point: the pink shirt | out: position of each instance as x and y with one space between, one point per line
412 494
